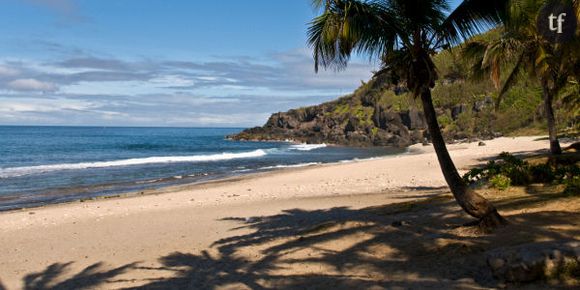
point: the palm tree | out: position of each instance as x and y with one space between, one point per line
403 35
521 49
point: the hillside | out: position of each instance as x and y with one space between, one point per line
379 114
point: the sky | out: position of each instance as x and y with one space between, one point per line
187 63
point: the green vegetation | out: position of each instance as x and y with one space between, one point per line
500 182
510 170
517 49
520 112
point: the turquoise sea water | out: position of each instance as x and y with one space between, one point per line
40 165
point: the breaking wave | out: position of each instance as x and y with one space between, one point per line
291 165
306 147
28 170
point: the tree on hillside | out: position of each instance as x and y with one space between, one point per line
521 49
404 35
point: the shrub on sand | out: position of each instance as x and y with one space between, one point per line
500 182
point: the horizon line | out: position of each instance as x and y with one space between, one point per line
124 126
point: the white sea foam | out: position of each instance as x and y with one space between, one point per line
364 159
291 166
306 147
28 170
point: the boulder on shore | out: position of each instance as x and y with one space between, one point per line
535 261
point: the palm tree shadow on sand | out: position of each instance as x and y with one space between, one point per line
409 245
91 276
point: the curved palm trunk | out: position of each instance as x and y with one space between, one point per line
473 203
552 132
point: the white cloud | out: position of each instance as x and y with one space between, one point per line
43 105
31 85
126 88
205 119
207 78
216 92
173 81
8 71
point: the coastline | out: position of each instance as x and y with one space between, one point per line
238 176
190 218
234 176
416 149
135 161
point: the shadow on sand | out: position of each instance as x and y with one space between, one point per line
408 245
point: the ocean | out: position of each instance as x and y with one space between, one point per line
42 165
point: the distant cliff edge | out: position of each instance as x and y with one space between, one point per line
360 119
374 115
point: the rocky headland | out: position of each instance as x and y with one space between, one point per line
368 117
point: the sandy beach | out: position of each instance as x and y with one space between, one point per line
128 241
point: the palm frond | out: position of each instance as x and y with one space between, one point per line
472 17
569 96
318 4
426 15
348 26
511 79
473 52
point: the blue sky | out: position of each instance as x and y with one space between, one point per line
159 62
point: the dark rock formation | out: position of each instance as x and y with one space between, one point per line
455 111
367 118
479 106
343 122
